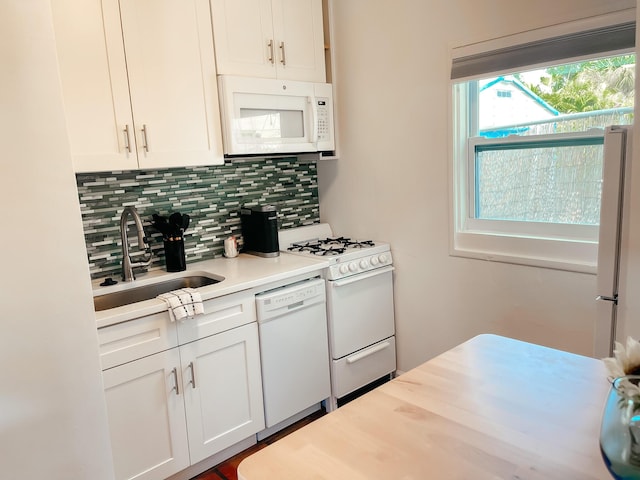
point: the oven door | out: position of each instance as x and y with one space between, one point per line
360 311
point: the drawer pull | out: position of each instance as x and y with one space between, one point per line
364 354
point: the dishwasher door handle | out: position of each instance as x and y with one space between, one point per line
366 353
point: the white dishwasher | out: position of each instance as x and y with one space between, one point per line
294 351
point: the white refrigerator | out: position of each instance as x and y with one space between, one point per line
617 286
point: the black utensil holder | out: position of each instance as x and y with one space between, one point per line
174 255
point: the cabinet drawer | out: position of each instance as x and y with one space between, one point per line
220 314
363 367
135 339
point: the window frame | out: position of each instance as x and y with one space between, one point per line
580 232
557 246
548 245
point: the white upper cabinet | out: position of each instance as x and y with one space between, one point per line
139 83
270 38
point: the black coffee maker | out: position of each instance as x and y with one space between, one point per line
260 230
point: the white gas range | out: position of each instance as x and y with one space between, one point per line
360 314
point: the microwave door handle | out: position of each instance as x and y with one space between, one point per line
314 119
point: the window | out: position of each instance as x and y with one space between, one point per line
528 145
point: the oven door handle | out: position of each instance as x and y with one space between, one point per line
363 276
365 353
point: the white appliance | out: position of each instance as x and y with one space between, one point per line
262 116
292 325
360 311
614 252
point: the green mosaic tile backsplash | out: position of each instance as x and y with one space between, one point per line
212 197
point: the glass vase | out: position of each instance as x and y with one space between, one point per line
620 429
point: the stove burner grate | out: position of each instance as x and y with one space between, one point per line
329 246
316 248
347 242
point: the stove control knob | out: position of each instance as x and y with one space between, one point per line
364 264
374 261
344 269
383 258
353 267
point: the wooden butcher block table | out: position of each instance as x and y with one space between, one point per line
491 408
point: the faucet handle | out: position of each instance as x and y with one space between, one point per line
141 264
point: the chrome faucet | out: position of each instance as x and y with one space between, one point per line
127 265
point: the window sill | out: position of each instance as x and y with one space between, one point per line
569 255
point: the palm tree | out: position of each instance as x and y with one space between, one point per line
589 86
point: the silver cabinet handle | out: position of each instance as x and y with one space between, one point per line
175 379
127 138
270 45
193 374
613 299
145 143
282 57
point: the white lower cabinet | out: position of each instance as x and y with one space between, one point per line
223 390
147 417
174 408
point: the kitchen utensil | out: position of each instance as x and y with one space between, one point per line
160 224
175 220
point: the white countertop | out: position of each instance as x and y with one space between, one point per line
240 273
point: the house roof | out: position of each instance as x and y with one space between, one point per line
518 84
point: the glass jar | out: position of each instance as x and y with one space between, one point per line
620 429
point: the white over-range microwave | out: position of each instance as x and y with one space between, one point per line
263 116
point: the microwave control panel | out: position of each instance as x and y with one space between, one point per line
323 119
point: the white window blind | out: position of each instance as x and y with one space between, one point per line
585 43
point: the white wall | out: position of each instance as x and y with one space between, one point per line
392 180
52 412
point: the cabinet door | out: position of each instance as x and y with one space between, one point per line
244 39
172 78
223 390
94 83
146 417
300 39
273 39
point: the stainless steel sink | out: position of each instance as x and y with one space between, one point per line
147 292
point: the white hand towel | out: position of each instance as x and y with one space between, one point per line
183 304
